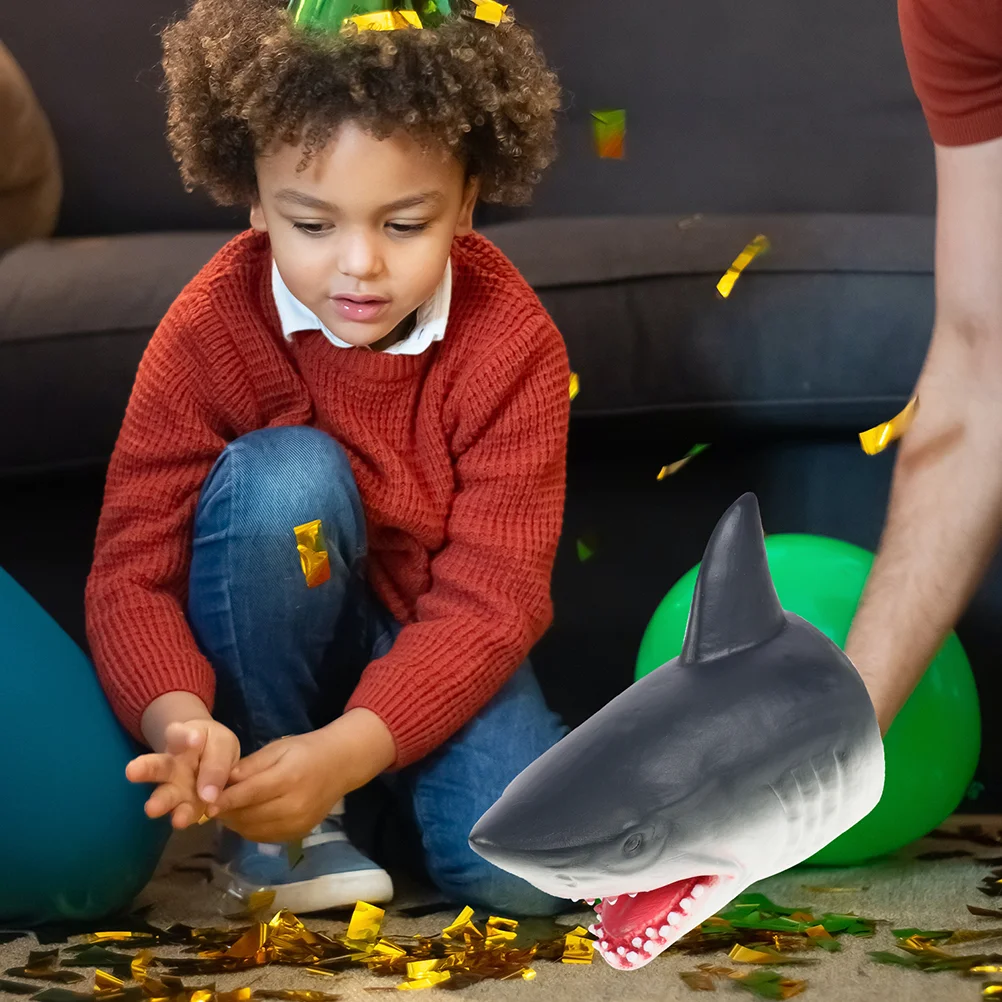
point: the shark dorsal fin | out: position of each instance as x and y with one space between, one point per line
735 605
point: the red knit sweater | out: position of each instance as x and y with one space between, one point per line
459 455
954 52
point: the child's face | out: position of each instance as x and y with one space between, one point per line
362 236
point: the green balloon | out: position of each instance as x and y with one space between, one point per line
930 751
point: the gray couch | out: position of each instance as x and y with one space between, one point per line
763 118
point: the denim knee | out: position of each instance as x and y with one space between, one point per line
276 478
481 884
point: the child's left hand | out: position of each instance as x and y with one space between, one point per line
282 791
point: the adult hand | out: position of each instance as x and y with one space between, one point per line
280 793
190 773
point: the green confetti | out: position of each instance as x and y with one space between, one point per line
586 545
901 959
770 985
16 987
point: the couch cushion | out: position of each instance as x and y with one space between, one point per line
825 332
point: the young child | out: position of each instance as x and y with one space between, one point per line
359 357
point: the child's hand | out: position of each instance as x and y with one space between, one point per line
281 792
190 773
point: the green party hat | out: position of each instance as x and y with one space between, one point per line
330 15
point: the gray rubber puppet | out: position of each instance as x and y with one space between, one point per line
742 757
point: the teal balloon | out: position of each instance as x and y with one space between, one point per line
74 842
931 749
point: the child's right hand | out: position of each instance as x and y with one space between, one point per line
190 773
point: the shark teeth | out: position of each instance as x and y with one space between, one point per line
637 948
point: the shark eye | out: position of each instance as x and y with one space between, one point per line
633 844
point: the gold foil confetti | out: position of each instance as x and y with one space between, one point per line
490 11
365 923
294 850
877 439
294 995
431 979
459 925
575 386
106 981
385 20
759 955
237 995
672 468
609 133
757 246
578 949
204 819
313 553
698 981
464 953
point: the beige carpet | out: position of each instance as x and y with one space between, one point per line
901 891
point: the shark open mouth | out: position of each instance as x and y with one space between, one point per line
632 929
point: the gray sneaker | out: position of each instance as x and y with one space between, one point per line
331 874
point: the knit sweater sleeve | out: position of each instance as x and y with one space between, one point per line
172 433
489 599
954 53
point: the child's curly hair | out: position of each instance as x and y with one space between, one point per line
240 75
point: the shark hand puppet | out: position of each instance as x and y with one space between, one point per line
742 757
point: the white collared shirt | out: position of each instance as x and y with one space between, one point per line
430 323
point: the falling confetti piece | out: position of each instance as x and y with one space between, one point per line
586 545
758 246
672 468
575 386
877 439
609 133
313 553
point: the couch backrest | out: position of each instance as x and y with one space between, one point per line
772 106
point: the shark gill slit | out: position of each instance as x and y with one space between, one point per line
788 814
839 784
798 839
819 802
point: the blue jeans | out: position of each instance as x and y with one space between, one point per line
286 657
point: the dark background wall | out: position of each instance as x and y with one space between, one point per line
772 106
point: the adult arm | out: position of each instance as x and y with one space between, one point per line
945 514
